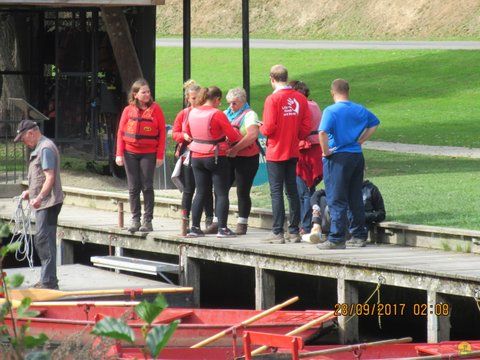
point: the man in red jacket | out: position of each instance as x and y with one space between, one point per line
286 120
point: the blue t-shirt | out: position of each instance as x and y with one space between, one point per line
344 122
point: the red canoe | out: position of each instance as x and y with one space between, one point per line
59 322
382 352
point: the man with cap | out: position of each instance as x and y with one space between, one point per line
45 195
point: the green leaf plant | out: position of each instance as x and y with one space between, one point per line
155 337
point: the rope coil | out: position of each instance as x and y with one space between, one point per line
22 231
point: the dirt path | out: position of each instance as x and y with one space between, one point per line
452 151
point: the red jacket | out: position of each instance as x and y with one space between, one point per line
219 126
179 125
137 146
286 120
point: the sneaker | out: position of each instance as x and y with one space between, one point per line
273 238
314 238
212 229
241 229
40 285
134 226
356 242
328 245
146 226
195 232
294 238
225 232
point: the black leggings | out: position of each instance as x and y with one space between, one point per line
140 169
189 190
243 171
206 173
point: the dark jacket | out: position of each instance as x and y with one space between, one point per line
373 202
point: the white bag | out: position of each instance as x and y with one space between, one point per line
177 174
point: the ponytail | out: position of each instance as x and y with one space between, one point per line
206 94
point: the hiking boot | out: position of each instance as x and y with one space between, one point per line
208 221
40 285
241 229
212 229
225 232
328 245
184 226
134 226
356 242
294 238
273 238
195 232
146 226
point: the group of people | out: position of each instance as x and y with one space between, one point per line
217 149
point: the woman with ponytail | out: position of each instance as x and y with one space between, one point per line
179 134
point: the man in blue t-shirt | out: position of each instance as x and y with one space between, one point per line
344 128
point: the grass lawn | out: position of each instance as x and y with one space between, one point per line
421 96
430 190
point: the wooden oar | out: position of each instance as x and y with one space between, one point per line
314 322
284 356
16 303
244 323
48 294
470 355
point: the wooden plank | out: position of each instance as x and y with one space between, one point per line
67 3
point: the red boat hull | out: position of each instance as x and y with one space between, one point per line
60 322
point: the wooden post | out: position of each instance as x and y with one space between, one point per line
347 293
122 45
438 326
264 289
190 275
64 252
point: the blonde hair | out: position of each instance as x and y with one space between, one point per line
190 86
134 89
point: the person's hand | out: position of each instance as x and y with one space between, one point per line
25 195
35 203
328 152
119 160
187 137
159 163
232 153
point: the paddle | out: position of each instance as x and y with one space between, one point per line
244 323
48 294
314 322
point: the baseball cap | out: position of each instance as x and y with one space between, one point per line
24 125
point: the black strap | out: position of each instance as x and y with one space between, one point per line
315 132
211 142
137 136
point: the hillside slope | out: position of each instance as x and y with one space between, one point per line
329 19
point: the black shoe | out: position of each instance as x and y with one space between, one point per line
195 232
225 232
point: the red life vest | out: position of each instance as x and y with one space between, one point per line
141 130
252 149
199 122
316 117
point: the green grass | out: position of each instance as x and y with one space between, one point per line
420 96
429 190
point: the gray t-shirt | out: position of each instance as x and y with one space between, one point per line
48 159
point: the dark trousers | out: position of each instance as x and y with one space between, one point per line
140 169
343 179
206 173
189 190
46 243
243 171
304 194
283 174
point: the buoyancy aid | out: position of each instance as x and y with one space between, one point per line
252 149
141 129
199 122
316 117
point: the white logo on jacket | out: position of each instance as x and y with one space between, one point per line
292 108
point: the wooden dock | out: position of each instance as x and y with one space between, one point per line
438 273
